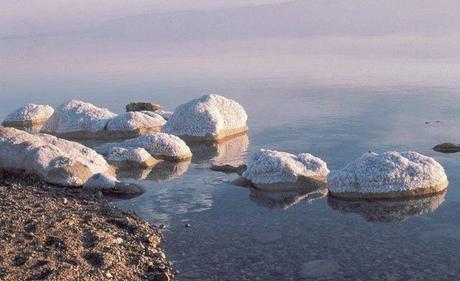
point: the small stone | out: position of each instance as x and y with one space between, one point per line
108 275
162 226
118 240
65 201
187 225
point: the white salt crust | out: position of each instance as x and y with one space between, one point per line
165 114
387 172
30 113
44 155
159 145
121 154
269 167
206 116
101 181
130 121
78 116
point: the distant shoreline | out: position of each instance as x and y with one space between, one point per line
55 233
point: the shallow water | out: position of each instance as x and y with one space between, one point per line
238 233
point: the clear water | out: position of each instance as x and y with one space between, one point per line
240 234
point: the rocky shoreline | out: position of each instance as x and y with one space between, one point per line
56 233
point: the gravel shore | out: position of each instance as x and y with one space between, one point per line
53 233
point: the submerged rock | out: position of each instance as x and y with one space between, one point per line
159 145
78 119
139 157
29 115
208 118
284 199
227 168
447 147
142 106
56 161
388 210
388 175
274 170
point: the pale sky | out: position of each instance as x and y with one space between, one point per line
40 16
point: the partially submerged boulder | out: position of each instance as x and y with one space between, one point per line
77 119
56 161
388 210
29 115
159 145
110 186
388 175
81 120
447 147
274 170
208 118
133 124
132 157
142 106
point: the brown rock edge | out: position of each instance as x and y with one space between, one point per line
432 190
54 233
105 135
216 138
25 123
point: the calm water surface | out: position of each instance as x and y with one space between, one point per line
241 234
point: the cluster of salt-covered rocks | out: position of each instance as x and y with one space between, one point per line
377 176
80 120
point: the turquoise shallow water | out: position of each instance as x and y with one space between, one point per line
241 234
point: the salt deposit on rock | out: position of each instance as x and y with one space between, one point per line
388 210
110 186
131 157
269 169
388 175
78 119
208 118
159 145
133 124
101 181
142 106
29 115
165 114
55 160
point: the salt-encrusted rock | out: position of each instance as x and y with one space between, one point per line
388 210
133 124
55 160
110 186
284 199
165 114
274 170
447 147
142 106
77 119
137 157
101 181
208 118
388 175
159 145
29 115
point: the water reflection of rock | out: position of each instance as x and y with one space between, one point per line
230 151
388 210
284 199
163 171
